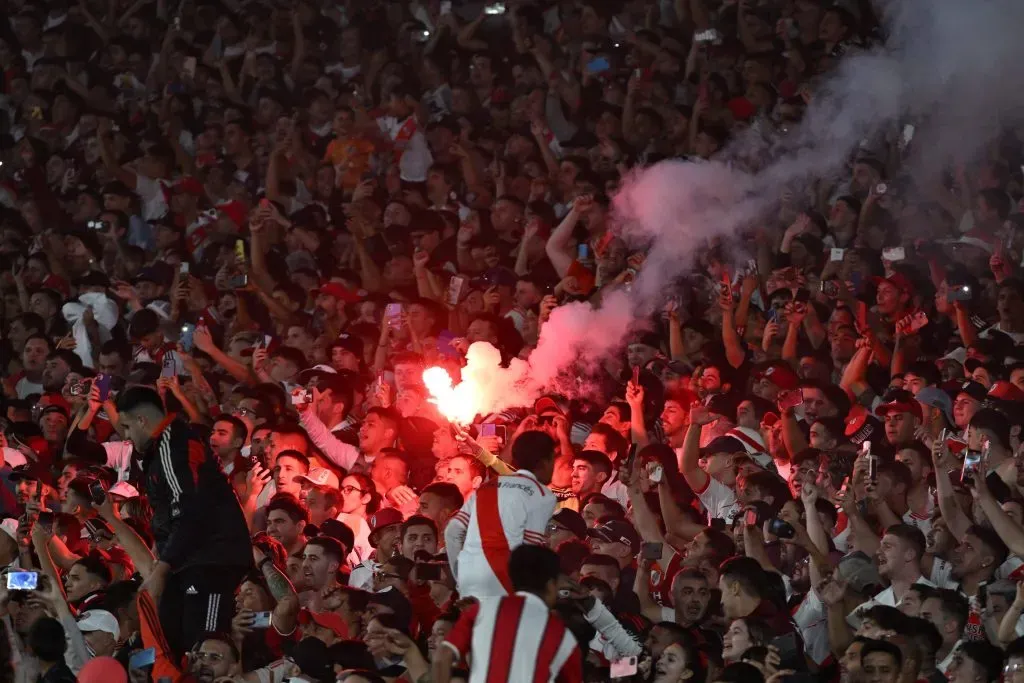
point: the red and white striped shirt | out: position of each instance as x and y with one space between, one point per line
516 639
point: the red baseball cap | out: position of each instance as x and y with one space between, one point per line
898 280
912 407
327 620
781 375
340 292
1005 391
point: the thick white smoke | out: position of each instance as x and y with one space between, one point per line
951 67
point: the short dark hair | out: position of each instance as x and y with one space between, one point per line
722 544
418 520
925 635
331 546
887 617
991 539
447 492
872 646
46 640
994 421
985 654
532 567
601 560
95 565
614 441
597 460
954 605
532 448
294 455
747 572
910 535
133 398
289 505
387 414
238 428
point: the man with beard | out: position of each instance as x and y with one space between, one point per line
321 559
977 557
59 364
215 658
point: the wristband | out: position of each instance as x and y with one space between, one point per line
263 562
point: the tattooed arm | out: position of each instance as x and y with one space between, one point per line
286 611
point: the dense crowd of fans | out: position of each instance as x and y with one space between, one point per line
235 233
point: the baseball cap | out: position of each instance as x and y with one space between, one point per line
99 620
393 599
780 374
382 518
909 406
54 408
329 620
1005 391
339 531
617 531
898 280
311 656
570 519
340 292
958 355
350 343
936 398
123 489
546 404
723 444
31 471
859 571
320 476
975 390
861 425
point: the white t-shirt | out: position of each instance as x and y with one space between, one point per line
151 192
416 157
119 456
886 597
812 620
718 499
361 530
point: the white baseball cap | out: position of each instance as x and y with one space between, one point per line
124 489
99 620
10 527
320 476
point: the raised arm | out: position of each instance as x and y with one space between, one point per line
690 467
558 249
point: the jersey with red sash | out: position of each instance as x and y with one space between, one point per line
497 518
515 638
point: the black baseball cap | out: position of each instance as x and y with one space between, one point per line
572 521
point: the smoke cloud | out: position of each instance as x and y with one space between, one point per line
950 67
